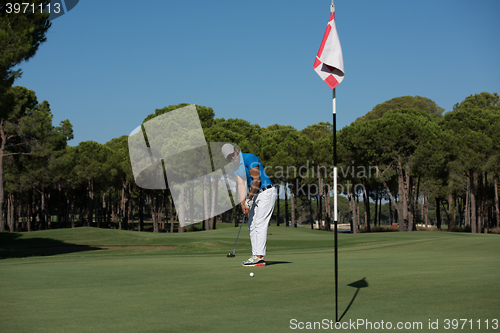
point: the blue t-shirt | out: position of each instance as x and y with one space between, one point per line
247 162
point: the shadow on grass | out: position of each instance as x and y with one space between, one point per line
358 285
13 246
269 263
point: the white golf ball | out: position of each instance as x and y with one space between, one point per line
251 274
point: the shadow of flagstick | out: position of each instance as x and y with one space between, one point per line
358 284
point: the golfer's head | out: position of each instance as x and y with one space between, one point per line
229 151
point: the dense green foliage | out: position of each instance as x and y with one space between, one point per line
422 158
404 169
404 102
20 36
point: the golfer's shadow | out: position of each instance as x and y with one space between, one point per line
358 285
269 263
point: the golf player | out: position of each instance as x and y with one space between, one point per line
258 203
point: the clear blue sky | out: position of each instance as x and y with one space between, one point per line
106 65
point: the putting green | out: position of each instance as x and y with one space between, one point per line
185 282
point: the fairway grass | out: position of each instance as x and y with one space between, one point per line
185 283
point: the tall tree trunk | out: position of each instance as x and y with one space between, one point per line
366 203
119 209
34 211
351 223
98 211
213 218
42 212
151 202
497 205
66 208
293 202
90 217
391 218
278 203
352 208
114 207
438 213
411 203
155 211
450 213
422 211
467 202
190 209
327 207
10 220
205 202
124 207
48 217
17 214
71 202
163 211
311 213
159 204
301 215
104 211
416 196
60 207
399 205
3 138
109 209
407 189
320 194
484 205
287 216
403 195
318 212
473 209
460 211
140 226
358 215
181 211
426 211
172 213
379 209
479 202
11 223
29 223
402 207
130 217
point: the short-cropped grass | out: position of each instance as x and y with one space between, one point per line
101 280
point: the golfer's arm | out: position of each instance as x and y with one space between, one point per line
255 174
242 190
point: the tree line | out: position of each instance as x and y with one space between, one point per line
48 183
404 152
422 157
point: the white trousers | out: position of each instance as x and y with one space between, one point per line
258 220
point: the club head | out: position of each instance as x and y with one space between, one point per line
230 255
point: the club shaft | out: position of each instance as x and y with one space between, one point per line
234 250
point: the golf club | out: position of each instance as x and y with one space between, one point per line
232 255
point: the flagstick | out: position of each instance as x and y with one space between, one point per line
335 203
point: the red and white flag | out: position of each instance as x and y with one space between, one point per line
329 63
